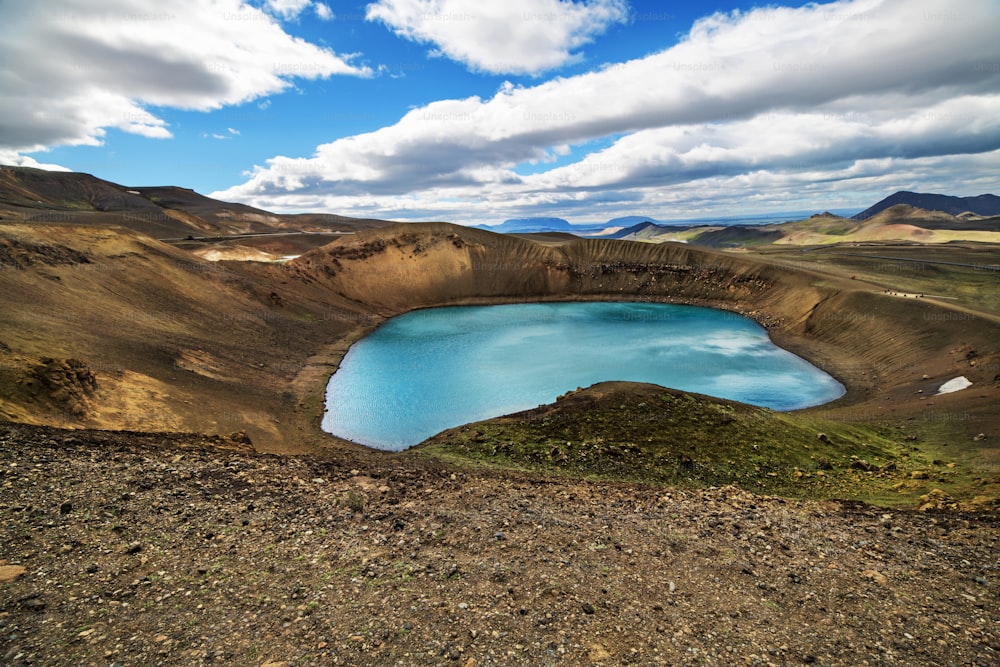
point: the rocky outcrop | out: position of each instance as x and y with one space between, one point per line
19 254
66 382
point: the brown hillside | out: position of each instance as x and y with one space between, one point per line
879 345
36 195
178 343
174 342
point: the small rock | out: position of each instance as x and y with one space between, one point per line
588 608
919 474
66 508
936 499
32 603
598 653
11 572
875 576
277 663
134 548
240 437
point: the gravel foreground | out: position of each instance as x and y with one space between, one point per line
133 549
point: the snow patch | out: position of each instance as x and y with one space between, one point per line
953 385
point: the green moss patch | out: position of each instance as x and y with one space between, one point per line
649 434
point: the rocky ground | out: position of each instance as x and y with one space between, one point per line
132 549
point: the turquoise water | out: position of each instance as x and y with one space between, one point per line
430 370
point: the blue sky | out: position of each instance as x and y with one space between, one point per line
477 112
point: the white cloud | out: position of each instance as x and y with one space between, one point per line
774 98
81 66
287 9
512 36
12 158
783 140
323 12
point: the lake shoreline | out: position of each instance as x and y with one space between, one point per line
603 342
879 348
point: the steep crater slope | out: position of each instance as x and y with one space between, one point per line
878 345
108 328
178 343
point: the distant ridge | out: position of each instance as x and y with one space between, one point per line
634 230
37 195
631 221
986 205
627 224
31 188
531 225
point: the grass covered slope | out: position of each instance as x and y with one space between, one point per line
649 434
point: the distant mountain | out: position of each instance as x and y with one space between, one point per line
531 225
635 223
986 205
30 188
644 228
206 208
739 236
37 195
630 221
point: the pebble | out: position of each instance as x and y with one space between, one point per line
598 653
33 604
11 572
424 587
875 576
